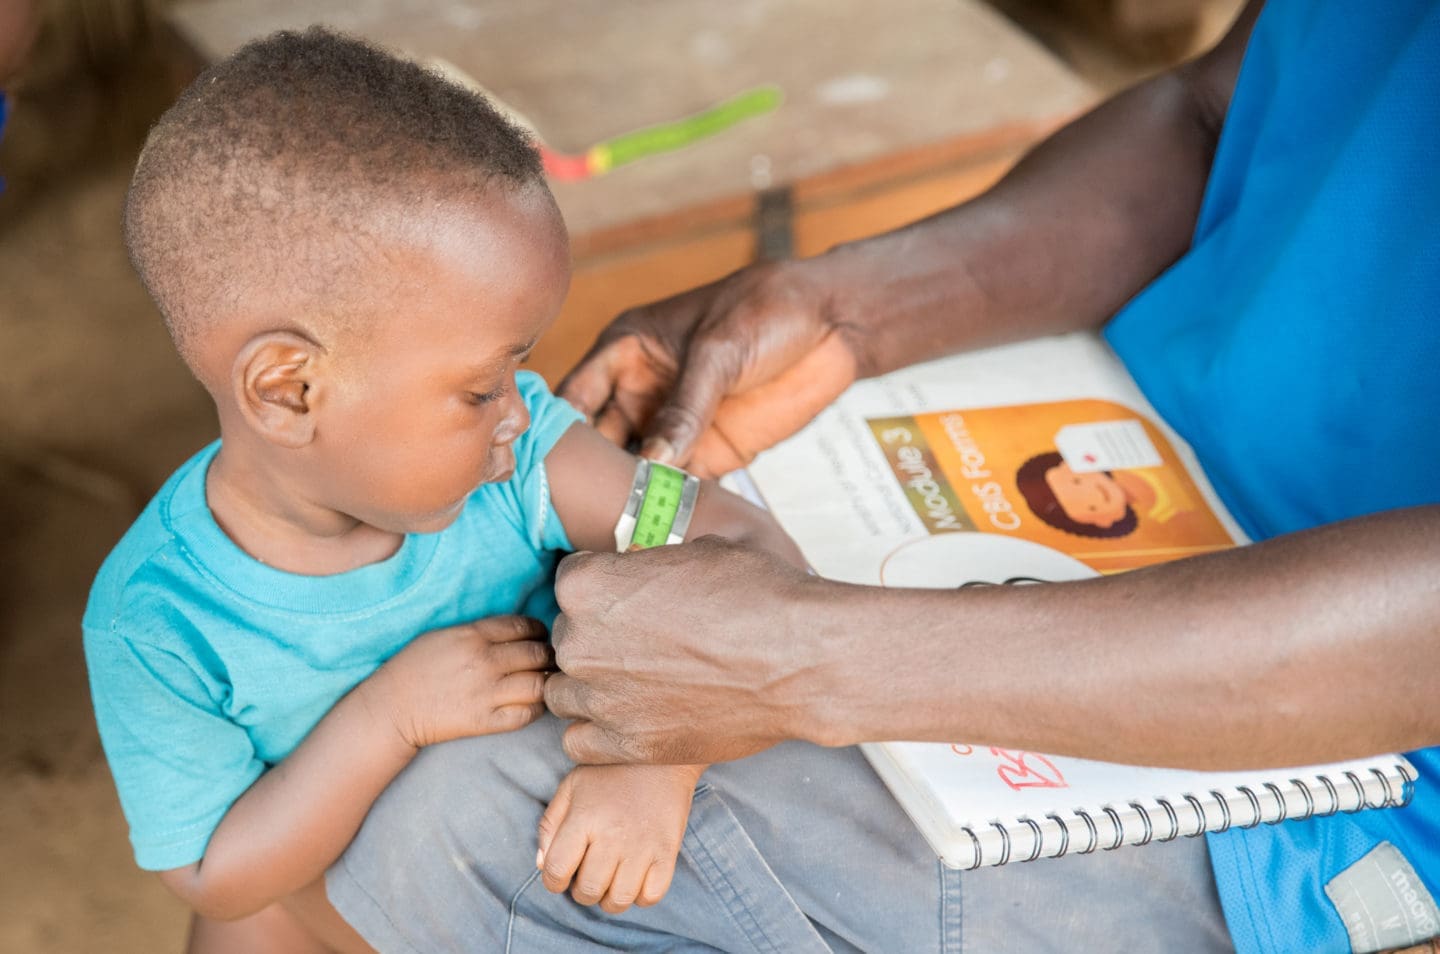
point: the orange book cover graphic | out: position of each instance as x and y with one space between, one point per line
1089 478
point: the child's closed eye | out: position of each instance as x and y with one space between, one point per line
486 397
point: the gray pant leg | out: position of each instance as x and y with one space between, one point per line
796 849
856 864
446 862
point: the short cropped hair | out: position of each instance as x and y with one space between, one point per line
262 169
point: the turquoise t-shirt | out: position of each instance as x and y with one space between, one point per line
207 666
1296 346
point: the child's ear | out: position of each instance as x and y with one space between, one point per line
274 378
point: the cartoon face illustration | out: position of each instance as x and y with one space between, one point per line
1087 505
1094 498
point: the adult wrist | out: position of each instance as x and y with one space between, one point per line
818 693
831 285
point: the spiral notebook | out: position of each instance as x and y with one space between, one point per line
942 475
989 806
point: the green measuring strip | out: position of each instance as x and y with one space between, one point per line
660 507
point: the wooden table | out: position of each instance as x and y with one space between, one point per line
892 110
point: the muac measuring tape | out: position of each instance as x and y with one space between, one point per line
659 508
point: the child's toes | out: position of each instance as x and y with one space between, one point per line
657 882
629 878
559 861
596 873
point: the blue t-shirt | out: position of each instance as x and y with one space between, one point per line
1296 346
207 666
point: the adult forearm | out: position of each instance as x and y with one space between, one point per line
1309 648
1075 230
298 817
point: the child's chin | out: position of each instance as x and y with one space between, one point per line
434 522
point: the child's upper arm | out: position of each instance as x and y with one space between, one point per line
589 483
590 480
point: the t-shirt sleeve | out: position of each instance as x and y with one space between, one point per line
550 418
178 762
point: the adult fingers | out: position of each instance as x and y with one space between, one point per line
573 590
615 426
566 697
588 744
709 371
591 383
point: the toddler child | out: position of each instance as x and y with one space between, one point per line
353 255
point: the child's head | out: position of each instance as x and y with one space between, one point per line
352 254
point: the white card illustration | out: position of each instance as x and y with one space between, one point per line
1106 445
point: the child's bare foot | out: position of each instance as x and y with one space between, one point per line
614 831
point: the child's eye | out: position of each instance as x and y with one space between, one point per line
487 397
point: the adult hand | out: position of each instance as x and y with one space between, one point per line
679 654
709 378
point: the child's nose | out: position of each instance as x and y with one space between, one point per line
515 421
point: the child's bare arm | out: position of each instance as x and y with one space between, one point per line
297 818
590 481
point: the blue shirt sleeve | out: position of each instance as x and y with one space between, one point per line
178 762
550 418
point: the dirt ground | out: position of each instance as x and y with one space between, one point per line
95 411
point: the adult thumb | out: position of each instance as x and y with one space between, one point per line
707 375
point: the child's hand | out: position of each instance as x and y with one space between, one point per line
615 830
474 679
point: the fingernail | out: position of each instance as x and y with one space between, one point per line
540 858
659 450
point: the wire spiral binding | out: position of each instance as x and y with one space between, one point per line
1390 796
1254 806
1064 834
1149 828
1309 799
1224 810
1202 823
1004 842
1334 795
1274 789
1173 818
1359 793
1114 817
1094 832
1038 837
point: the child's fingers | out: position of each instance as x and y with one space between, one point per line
512 717
625 887
522 656
595 874
657 882
551 821
519 688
